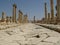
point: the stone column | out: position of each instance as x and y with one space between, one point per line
20 16
58 11
3 15
10 19
52 11
7 20
25 20
49 18
45 13
14 13
34 19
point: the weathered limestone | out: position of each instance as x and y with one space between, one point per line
20 17
45 13
14 12
49 18
58 11
25 20
52 11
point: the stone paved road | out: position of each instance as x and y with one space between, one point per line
29 34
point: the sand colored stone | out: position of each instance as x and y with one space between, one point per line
3 16
14 13
45 13
25 19
20 17
49 18
58 12
34 19
26 34
52 11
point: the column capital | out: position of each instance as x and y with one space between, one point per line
20 11
14 5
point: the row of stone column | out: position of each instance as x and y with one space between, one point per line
58 11
5 18
21 18
50 18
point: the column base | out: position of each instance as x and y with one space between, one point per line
58 21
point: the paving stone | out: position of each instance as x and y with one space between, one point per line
28 34
52 39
